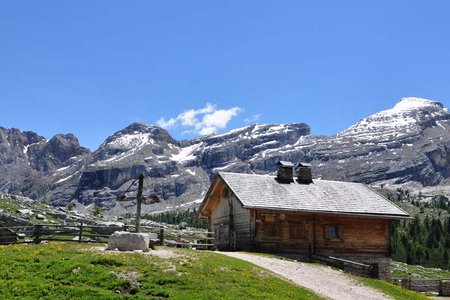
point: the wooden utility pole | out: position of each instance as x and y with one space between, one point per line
139 198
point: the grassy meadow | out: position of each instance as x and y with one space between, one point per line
77 271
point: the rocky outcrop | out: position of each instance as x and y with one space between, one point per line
7 220
54 153
30 164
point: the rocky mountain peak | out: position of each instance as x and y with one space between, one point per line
133 137
65 146
408 117
414 103
137 135
52 154
139 126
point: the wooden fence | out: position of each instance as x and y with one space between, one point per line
82 233
441 286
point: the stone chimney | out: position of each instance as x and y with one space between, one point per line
304 173
285 171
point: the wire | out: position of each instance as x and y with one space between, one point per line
128 189
147 183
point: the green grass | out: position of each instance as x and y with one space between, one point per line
72 271
392 290
8 204
402 270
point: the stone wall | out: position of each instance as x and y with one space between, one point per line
382 265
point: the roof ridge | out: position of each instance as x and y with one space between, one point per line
272 176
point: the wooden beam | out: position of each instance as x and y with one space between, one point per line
139 198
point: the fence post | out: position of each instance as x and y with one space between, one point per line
374 272
161 236
209 240
37 234
80 236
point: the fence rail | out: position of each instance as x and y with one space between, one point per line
83 233
441 286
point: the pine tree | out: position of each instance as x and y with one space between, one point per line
445 257
419 253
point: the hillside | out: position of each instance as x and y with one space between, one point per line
406 145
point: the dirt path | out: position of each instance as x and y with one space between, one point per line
327 282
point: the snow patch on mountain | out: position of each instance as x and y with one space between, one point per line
128 141
64 179
114 159
413 103
186 154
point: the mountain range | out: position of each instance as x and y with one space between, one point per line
407 145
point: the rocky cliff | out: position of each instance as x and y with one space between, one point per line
408 144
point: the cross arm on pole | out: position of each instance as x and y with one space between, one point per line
139 198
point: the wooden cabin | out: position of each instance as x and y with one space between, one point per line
299 215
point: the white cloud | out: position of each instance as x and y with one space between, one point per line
219 118
253 119
203 121
166 124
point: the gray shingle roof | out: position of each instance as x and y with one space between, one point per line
322 196
285 163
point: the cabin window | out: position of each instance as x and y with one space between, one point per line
333 232
271 230
297 231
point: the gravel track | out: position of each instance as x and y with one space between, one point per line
323 280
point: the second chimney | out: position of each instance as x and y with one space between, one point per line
285 171
304 173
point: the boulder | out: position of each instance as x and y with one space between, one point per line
128 241
40 217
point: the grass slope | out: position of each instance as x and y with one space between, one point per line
72 271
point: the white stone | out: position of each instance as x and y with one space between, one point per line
128 241
40 217
25 212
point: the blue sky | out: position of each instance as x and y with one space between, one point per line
93 67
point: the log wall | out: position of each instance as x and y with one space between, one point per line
356 235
